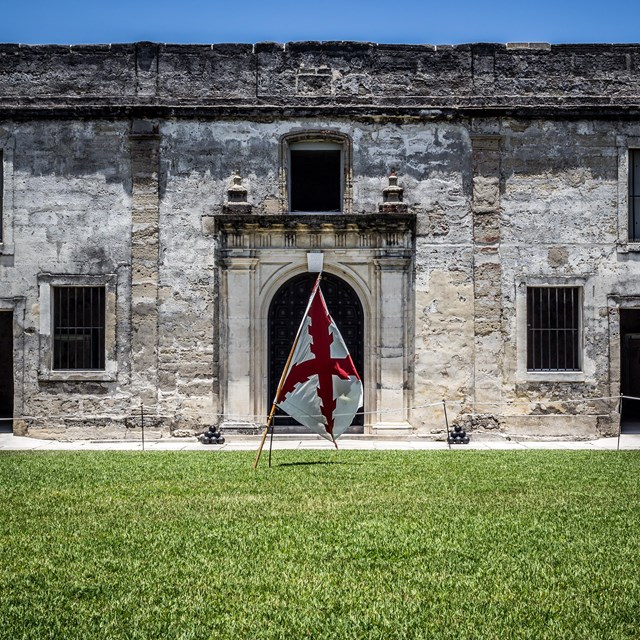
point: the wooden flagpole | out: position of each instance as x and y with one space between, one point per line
266 431
283 377
271 443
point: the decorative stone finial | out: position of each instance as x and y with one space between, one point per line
236 196
236 192
392 193
392 196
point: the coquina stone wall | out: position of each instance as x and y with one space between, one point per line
117 164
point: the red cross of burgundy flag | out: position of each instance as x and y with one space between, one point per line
321 388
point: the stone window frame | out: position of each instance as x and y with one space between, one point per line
46 284
625 144
7 152
523 375
317 135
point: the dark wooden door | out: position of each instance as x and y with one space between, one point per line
285 314
631 379
6 370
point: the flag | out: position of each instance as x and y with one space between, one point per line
321 388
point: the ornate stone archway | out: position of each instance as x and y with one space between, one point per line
371 253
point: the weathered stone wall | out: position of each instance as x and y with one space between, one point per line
122 157
560 215
71 201
199 160
321 75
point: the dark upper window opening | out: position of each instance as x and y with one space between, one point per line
634 195
78 327
553 329
316 177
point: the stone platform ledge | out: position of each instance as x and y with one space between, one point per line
484 438
356 437
392 430
383 436
311 437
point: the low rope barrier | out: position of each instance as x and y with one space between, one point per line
152 413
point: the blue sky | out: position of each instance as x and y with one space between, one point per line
202 21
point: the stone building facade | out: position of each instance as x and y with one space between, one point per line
477 209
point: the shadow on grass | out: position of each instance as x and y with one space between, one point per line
305 464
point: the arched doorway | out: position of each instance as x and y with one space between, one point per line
285 314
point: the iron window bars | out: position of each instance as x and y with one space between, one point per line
553 329
78 327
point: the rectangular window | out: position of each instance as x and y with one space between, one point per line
553 328
315 174
634 195
78 327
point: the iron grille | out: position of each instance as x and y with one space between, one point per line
553 329
634 195
78 327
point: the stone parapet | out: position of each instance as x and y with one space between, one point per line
148 79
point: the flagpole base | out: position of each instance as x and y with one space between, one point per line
392 429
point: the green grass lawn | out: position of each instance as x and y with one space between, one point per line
326 544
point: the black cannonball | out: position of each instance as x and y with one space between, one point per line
220 440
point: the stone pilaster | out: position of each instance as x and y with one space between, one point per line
145 153
488 345
239 361
392 352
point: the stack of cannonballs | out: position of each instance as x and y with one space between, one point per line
212 436
458 436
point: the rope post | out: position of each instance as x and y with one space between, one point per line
446 420
619 421
142 423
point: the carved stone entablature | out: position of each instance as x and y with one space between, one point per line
370 231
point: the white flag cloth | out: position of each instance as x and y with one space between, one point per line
321 389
